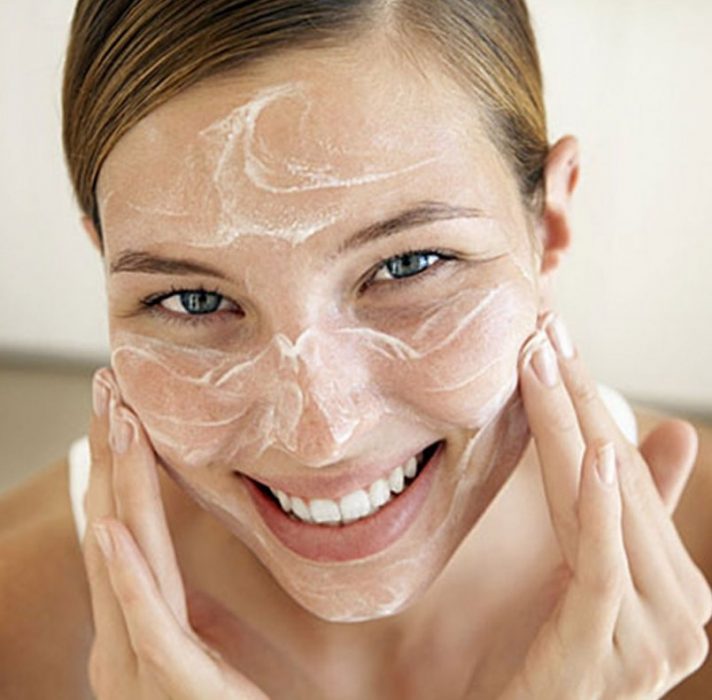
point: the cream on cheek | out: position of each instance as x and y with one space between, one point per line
206 408
312 395
449 368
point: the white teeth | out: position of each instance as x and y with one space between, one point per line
324 511
284 500
353 506
395 480
301 510
411 467
379 493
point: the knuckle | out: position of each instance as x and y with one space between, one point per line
703 601
151 657
697 593
701 605
652 673
607 584
561 420
690 651
583 390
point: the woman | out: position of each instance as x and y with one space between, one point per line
329 232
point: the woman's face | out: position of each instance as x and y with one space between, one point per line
266 327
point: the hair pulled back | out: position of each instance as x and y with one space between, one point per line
127 57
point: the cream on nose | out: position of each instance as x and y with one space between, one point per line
317 439
326 397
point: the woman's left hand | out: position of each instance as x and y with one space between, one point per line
627 608
144 646
629 621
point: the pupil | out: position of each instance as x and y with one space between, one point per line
199 302
407 265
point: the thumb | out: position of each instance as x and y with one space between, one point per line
670 450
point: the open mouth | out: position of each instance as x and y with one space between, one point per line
330 537
357 505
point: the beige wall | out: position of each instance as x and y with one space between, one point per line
629 77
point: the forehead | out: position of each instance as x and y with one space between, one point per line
295 146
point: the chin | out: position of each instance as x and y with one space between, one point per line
398 578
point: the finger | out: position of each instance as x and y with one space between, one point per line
597 424
660 565
601 577
139 506
554 427
670 450
110 630
175 657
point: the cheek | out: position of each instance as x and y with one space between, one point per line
469 367
456 367
187 417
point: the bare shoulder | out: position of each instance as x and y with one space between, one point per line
46 617
693 519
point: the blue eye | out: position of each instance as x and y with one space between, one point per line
189 303
194 302
408 265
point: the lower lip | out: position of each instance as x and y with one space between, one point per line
362 538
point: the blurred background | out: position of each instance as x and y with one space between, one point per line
631 79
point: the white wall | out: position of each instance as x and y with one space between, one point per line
631 78
49 274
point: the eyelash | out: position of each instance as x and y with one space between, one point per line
152 303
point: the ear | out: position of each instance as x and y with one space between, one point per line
93 234
561 174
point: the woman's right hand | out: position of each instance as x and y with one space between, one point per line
144 646
630 619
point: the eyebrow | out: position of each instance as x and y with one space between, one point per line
418 215
137 261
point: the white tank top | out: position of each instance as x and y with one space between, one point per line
79 459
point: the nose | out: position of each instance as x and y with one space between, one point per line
331 398
318 435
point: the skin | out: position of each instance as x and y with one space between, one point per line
627 607
146 627
289 296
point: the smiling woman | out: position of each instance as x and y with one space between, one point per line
329 232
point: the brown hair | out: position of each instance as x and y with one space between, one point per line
126 57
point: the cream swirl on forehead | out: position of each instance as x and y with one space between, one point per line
230 159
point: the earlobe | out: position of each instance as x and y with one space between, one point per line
93 234
561 174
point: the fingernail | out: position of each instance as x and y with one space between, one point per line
121 432
545 365
606 464
103 537
100 396
560 337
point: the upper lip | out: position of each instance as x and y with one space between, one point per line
337 485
